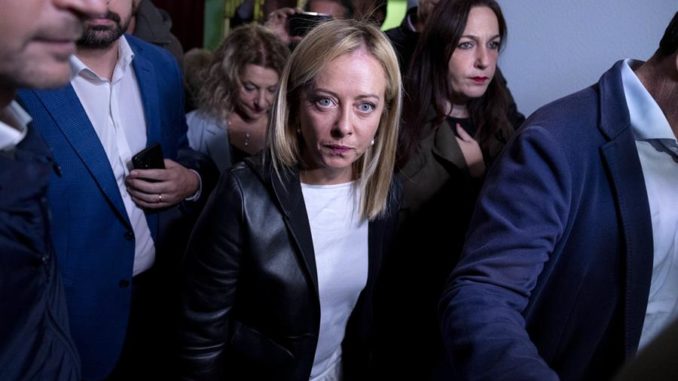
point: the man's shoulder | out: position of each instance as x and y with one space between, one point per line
603 97
576 105
153 53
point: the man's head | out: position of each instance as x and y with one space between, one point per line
339 9
669 43
102 32
37 38
424 10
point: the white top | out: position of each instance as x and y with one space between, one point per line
341 255
116 111
13 125
660 170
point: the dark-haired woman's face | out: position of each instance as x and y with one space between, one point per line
474 61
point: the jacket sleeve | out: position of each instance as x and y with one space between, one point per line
212 267
191 158
521 214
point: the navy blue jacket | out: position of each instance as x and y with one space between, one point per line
35 342
555 275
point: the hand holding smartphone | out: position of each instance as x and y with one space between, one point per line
150 157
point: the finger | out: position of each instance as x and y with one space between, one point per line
145 186
149 174
461 132
156 201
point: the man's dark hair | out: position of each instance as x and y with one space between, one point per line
347 4
669 43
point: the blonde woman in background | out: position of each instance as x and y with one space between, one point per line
237 95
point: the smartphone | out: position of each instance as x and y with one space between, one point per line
301 23
149 158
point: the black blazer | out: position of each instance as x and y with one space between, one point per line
250 305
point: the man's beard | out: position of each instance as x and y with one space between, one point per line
100 36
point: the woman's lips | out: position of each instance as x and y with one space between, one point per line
479 80
337 149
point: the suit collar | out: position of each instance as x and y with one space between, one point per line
64 106
621 159
614 111
148 87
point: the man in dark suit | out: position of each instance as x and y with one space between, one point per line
116 226
569 262
36 40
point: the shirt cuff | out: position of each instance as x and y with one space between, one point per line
197 193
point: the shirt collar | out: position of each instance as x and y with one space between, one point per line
647 119
410 17
12 135
125 57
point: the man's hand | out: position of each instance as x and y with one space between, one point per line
277 22
161 188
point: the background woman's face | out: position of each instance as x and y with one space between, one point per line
474 61
258 85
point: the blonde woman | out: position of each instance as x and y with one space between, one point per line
236 96
282 265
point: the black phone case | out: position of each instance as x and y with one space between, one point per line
149 158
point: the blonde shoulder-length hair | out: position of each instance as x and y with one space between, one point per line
324 43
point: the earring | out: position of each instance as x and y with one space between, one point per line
372 143
299 131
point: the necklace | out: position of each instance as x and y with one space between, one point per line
247 139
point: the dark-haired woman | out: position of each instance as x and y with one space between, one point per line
456 120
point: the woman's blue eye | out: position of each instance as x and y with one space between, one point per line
494 44
324 102
465 45
366 107
249 87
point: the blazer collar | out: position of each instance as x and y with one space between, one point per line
148 88
70 117
626 174
287 191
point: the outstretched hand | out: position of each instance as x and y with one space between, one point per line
278 22
161 188
473 155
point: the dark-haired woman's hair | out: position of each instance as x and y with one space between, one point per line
427 88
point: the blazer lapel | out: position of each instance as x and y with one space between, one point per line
291 199
64 106
631 195
148 87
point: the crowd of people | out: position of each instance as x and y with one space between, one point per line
344 205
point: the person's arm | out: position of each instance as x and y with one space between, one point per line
190 175
278 23
212 266
520 215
